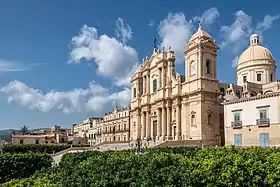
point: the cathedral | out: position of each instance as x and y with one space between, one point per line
167 106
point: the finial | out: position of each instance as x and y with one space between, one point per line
199 24
155 43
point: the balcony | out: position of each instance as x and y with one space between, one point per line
263 122
236 124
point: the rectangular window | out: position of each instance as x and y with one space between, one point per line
259 77
154 85
263 114
37 141
236 116
238 140
264 139
21 141
271 77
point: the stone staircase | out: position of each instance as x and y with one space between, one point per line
181 143
119 145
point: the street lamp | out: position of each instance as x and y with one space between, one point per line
138 144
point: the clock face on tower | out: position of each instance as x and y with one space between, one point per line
193 68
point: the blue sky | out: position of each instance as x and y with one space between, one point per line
64 61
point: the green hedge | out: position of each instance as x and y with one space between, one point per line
39 148
21 165
163 167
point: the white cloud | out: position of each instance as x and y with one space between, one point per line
236 36
175 30
123 31
10 66
95 98
209 17
266 23
113 58
151 23
234 61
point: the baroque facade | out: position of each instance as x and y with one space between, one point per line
168 106
254 118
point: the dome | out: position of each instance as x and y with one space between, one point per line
255 52
200 33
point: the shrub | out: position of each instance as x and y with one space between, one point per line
21 165
39 148
194 167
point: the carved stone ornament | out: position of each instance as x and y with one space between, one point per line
209 111
193 112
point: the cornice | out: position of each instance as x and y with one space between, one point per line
258 97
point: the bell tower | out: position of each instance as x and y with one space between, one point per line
201 57
201 106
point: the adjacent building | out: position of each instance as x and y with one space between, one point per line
94 132
254 118
88 131
116 125
55 135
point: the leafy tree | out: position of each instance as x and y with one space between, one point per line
24 129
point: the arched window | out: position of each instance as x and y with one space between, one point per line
154 85
193 121
134 92
124 126
209 119
208 63
222 91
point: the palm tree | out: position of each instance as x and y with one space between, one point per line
24 129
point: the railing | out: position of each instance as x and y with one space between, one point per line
263 122
236 123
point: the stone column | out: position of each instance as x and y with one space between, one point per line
163 77
148 84
148 125
169 126
178 122
138 125
160 77
143 125
164 123
159 122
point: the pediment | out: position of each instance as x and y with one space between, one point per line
154 60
